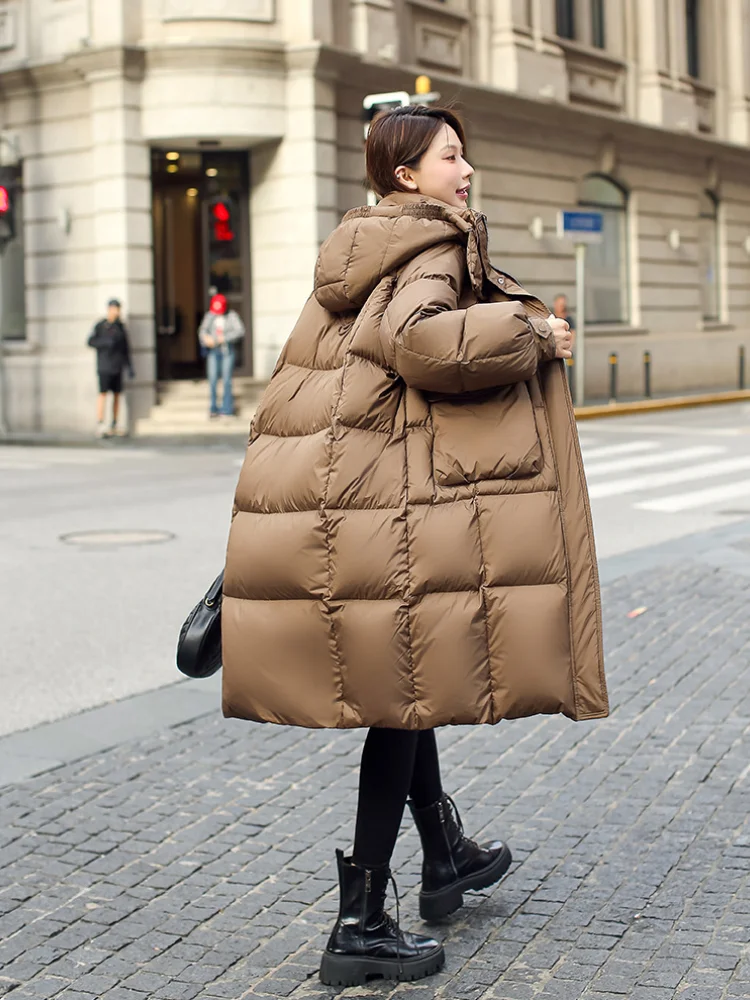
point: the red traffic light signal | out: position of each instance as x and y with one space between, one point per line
10 190
223 232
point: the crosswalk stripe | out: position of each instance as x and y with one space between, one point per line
698 498
618 449
616 487
661 458
10 466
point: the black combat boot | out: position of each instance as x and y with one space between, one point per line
452 862
365 942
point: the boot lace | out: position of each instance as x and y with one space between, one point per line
459 823
394 926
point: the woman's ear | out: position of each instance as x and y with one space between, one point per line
404 175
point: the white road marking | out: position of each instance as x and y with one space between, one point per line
13 459
660 458
616 487
607 450
685 430
698 498
10 466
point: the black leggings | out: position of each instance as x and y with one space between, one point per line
395 763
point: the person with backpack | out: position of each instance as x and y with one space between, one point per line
411 544
109 338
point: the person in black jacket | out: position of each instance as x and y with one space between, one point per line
110 339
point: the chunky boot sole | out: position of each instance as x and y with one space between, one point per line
357 970
442 902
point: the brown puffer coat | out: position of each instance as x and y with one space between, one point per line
411 544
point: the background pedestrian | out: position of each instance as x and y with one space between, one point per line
560 310
110 340
220 331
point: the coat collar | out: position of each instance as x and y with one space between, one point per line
486 279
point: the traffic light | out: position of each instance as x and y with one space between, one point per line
423 94
374 103
10 187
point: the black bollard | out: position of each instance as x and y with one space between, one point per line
647 374
741 367
613 377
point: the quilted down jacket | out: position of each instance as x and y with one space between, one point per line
411 544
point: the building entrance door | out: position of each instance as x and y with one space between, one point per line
201 246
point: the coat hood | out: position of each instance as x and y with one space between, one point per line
376 240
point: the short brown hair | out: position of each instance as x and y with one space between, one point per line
401 137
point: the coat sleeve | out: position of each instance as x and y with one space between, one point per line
437 347
127 353
235 328
204 328
94 337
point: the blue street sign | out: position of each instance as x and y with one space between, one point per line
581 227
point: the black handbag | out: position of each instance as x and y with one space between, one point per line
199 645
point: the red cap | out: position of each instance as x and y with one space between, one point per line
218 304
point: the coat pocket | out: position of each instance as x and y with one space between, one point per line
488 435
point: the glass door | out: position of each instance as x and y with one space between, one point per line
201 246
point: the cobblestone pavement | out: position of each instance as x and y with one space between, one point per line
199 863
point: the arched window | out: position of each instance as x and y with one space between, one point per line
708 254
606 262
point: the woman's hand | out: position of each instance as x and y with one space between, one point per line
563 337
208 341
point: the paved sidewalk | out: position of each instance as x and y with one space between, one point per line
197 862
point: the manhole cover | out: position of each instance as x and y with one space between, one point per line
92 539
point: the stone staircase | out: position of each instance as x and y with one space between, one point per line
183 410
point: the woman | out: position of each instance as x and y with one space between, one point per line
219 332
411 544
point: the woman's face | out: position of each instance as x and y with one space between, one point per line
442 173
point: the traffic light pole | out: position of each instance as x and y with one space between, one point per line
9 190
3 381
579 369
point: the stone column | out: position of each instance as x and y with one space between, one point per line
523 60
663 98
375 29
737 69
293 207
120 193
650 81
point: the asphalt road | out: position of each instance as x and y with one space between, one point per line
84 624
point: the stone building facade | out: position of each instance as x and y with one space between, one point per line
168 147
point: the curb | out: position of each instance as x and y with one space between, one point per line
49 745
654 405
